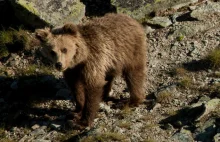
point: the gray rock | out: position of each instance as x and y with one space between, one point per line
48 12
64 93
217 137
160 22
178 6
36 126
37 132
204 12
183 136
55 126
209 107
189 29
138 9
206 131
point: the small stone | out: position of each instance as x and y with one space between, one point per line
37 132
160 21
217 137
36 126
10 72
55 126
192 7
184 136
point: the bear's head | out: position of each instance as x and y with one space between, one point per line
63 46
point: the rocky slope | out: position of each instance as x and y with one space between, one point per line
182 102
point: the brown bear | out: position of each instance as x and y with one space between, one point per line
92 54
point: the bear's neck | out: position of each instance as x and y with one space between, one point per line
81 54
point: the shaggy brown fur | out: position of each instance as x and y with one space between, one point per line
91 55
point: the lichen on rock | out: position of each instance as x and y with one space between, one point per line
48 12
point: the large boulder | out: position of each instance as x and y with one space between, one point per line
140 9
40 13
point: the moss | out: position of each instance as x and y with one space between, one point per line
13 41
6 37
34 69
180 37
3 51
213 58
29 6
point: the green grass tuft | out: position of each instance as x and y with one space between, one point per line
3 51
13 41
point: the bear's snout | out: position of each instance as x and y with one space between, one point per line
58 66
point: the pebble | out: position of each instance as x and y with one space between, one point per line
55 126
36 126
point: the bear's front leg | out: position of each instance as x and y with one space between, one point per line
93 99
75 83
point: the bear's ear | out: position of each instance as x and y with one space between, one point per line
70 28
42 34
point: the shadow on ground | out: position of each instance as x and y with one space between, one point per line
197 65
18 96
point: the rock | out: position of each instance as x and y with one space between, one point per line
209 107
183 136
203 13
36 126
206 131
55 126
148 29
161 22
139 9
217 137
63 93
48 12
105 108
189 29
178 6
37 132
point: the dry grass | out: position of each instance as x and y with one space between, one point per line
124 124
105 137
185 82
66 136
180 71
164 97
213 58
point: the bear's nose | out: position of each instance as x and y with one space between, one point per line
58 66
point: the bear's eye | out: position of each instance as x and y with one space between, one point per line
64 50
52 53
